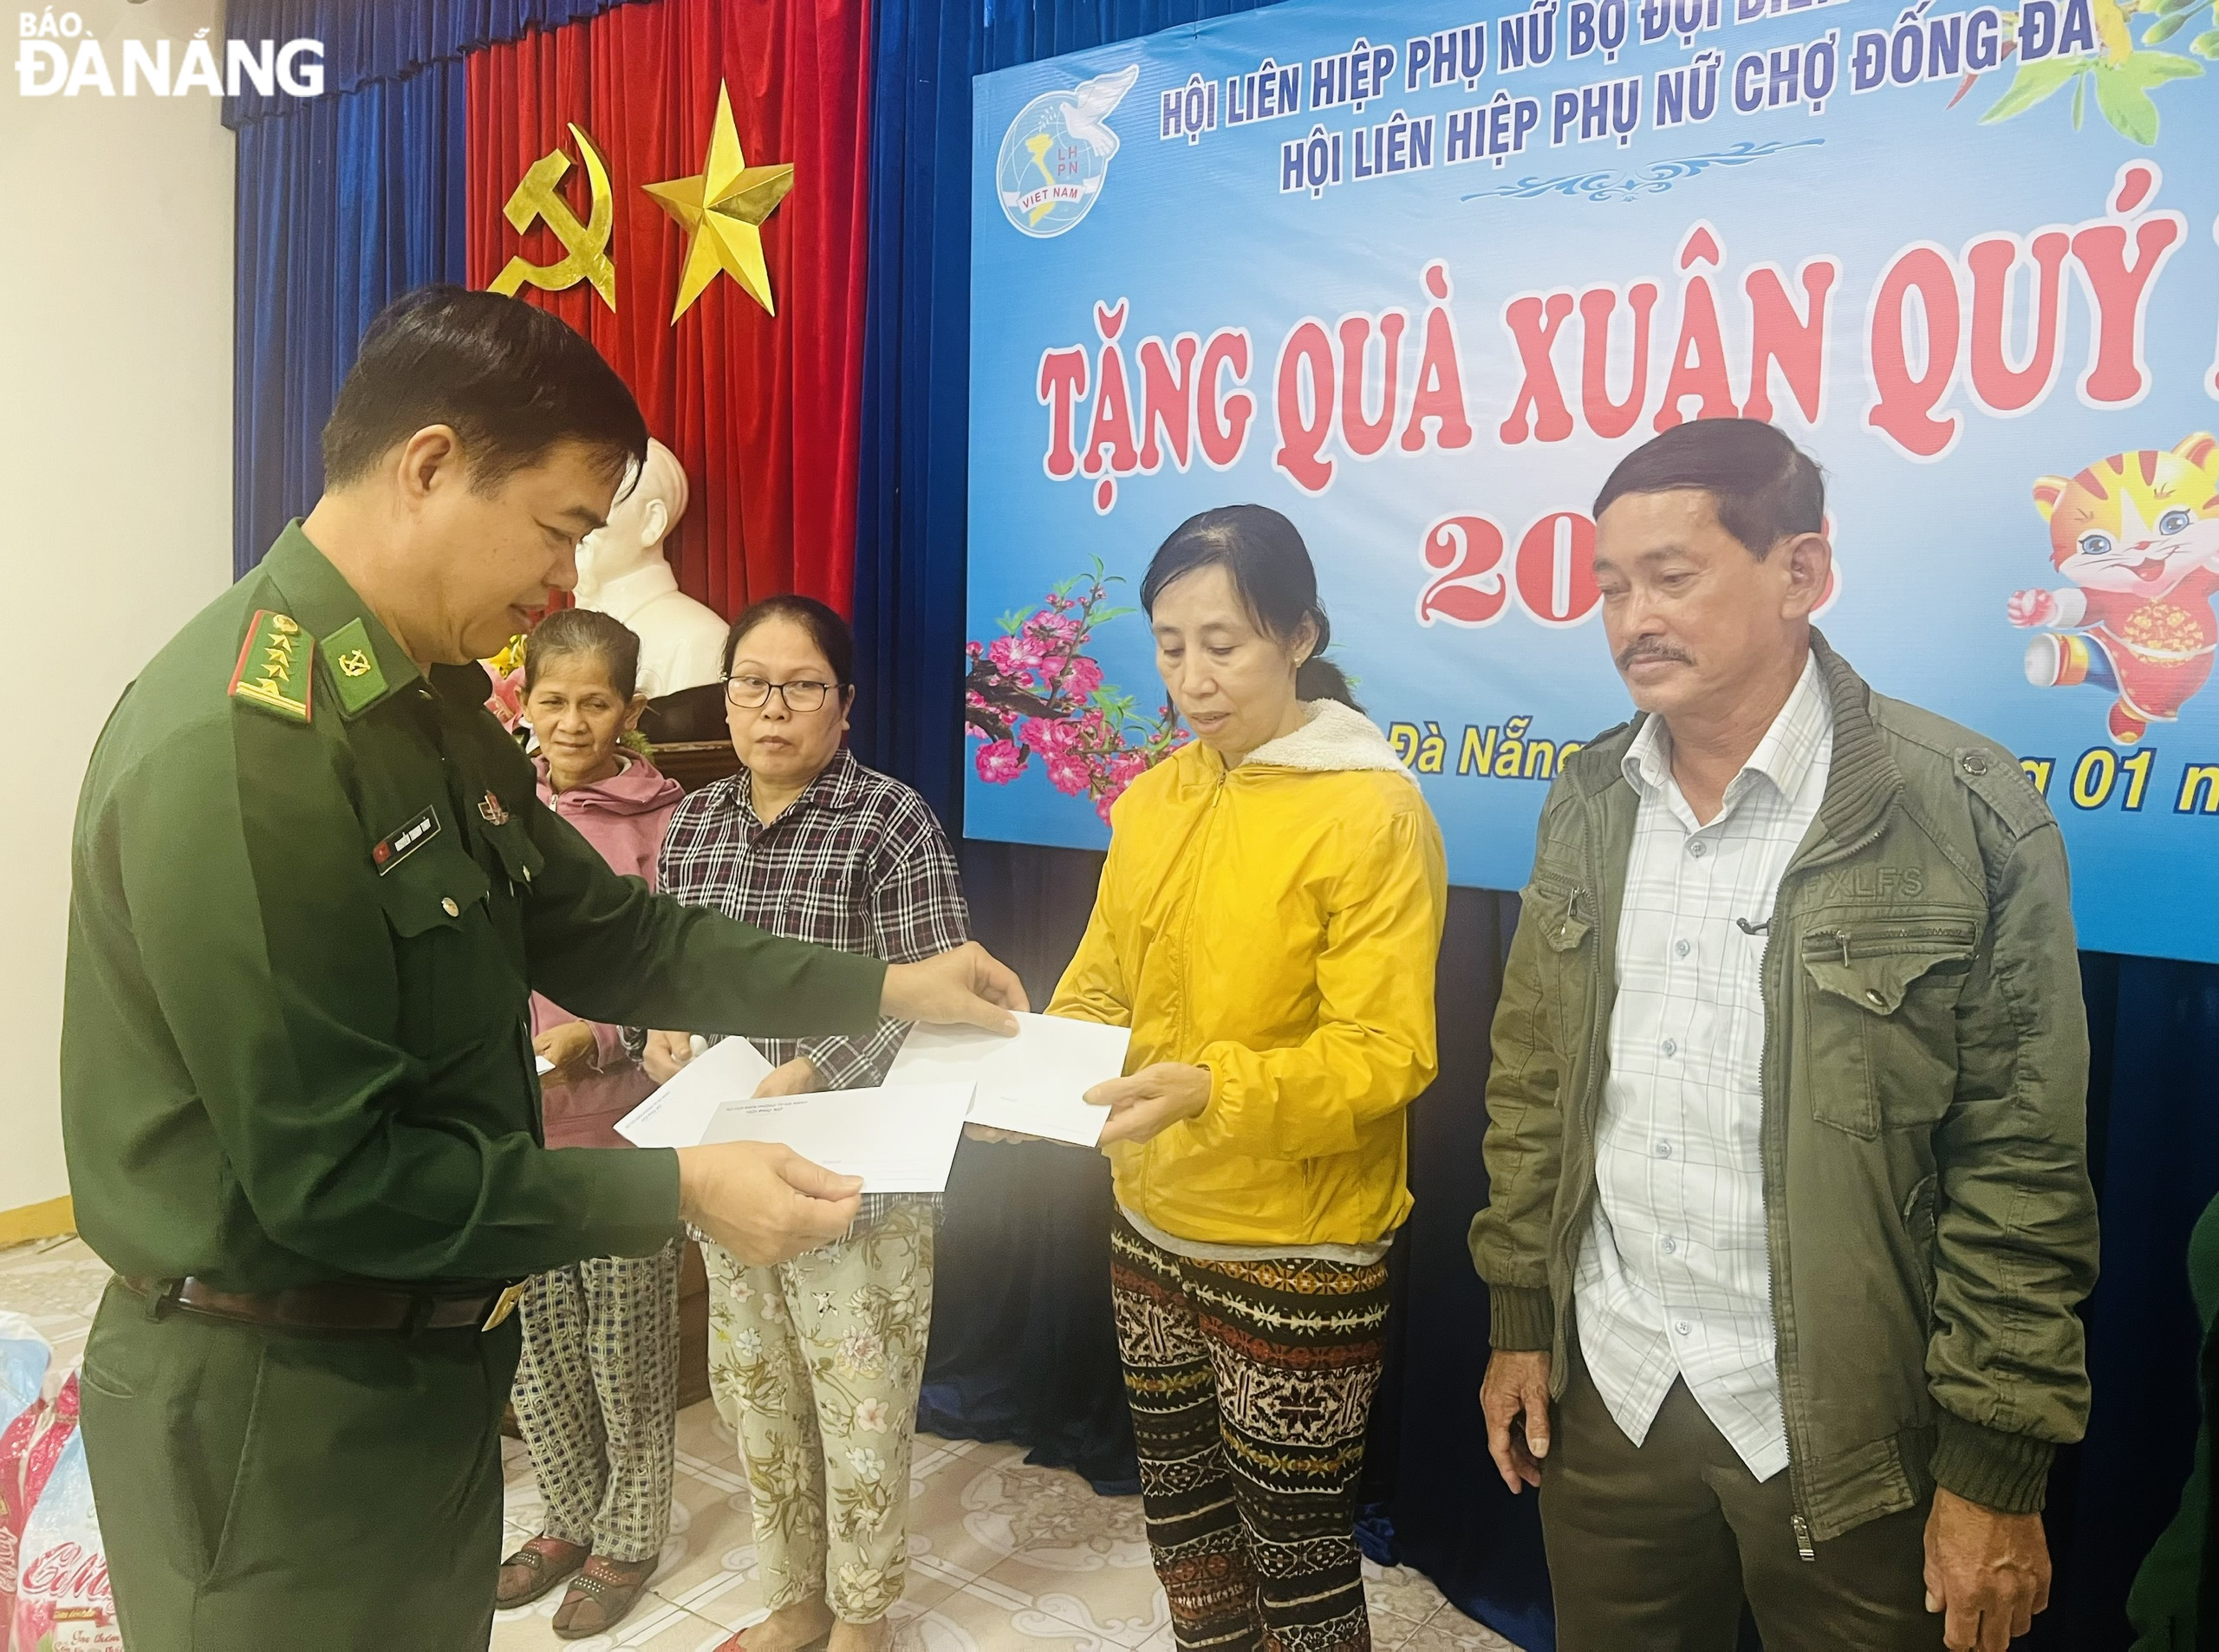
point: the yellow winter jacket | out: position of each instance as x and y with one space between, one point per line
1276 923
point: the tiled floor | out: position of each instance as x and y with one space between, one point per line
1002 1557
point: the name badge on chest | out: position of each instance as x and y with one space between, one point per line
390 852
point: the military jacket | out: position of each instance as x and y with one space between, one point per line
313 889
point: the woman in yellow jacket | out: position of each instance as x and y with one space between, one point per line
1267 925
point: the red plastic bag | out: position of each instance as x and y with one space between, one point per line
26 1421
63 1603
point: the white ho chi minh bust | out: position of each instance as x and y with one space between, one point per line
621 573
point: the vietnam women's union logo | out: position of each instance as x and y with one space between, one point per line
1057 153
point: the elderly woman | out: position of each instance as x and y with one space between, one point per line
816 1363
1267 925
596 1392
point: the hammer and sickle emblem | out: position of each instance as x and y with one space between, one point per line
587 244
354 663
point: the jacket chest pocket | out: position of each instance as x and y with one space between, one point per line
437 905
1566 915
522 860
1880 1018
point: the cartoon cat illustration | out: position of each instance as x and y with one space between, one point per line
2137 534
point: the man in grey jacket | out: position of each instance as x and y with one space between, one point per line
1789 1205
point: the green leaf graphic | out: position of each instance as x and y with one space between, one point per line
2125 105
2156 68
2033 82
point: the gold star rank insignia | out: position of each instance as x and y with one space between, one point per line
276 667
722 209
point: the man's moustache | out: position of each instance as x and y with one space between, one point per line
1634 656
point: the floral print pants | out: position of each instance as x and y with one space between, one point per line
815 1364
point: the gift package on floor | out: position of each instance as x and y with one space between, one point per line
25 1356
53 1587
62 1599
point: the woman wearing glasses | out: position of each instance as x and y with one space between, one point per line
816 1363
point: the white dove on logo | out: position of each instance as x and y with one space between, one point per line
1091 102
1055 153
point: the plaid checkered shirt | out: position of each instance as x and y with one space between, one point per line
857 861
1674 1279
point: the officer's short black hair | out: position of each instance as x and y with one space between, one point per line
511 380
1764 488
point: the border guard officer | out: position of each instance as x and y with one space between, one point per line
313 889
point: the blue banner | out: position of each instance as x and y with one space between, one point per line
1419 276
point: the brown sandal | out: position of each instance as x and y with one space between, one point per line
541 1564
738 1641
600 1596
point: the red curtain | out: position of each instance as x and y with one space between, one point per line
762 411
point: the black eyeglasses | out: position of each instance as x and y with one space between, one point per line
753 693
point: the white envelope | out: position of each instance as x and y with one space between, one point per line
1033 1084
899 1140
676 1114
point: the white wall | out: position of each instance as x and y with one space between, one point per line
116 474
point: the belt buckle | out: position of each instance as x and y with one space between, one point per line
505 1305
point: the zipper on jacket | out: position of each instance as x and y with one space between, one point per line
1200 840
1594 1001
1590 1095
1804 1548
1767 970
1890 938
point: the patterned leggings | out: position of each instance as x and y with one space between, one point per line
1250 1384
596 1399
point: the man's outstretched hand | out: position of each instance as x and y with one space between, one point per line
765 1204
966 986
762 1202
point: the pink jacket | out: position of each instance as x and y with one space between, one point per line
623 816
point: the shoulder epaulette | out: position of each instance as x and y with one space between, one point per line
276 667
2002 783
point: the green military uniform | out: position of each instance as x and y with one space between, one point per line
312 892
2168 1608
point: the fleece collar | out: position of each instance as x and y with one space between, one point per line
1336 737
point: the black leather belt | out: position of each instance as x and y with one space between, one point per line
335 1307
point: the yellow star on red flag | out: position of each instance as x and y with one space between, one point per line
722 208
